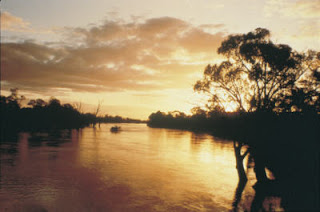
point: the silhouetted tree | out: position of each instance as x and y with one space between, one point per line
97 119
259 75
78 106
53 102
12 102
198 111
15 97
47 115
37 103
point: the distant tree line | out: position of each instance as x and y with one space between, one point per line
40 114
118 119
242 126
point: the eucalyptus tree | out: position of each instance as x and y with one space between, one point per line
259 75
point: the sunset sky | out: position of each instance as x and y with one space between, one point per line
136 56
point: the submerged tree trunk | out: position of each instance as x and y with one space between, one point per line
239 160
241 173
259 167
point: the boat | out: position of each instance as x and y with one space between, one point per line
115 129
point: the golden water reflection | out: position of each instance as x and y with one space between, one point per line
137 169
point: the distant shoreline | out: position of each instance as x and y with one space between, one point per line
245 127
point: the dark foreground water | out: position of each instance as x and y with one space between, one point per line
136 169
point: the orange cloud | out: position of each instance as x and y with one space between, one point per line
307 8
301 21
294 9
14 24
159 53
10 22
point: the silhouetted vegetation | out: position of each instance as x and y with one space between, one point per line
238 125
259 75
119 119
266 83
275 92
47 115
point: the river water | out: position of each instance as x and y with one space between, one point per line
136 169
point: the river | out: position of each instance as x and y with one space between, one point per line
136 169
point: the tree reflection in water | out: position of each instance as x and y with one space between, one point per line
296 176
264 187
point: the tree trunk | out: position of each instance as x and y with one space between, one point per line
241 173
259 167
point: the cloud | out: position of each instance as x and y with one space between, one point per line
301 21
10 22
212 26
15 24
308 8
159 53
295 9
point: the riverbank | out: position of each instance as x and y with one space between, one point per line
245 127
41 115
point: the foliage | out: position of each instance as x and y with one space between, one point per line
46 115
259 75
